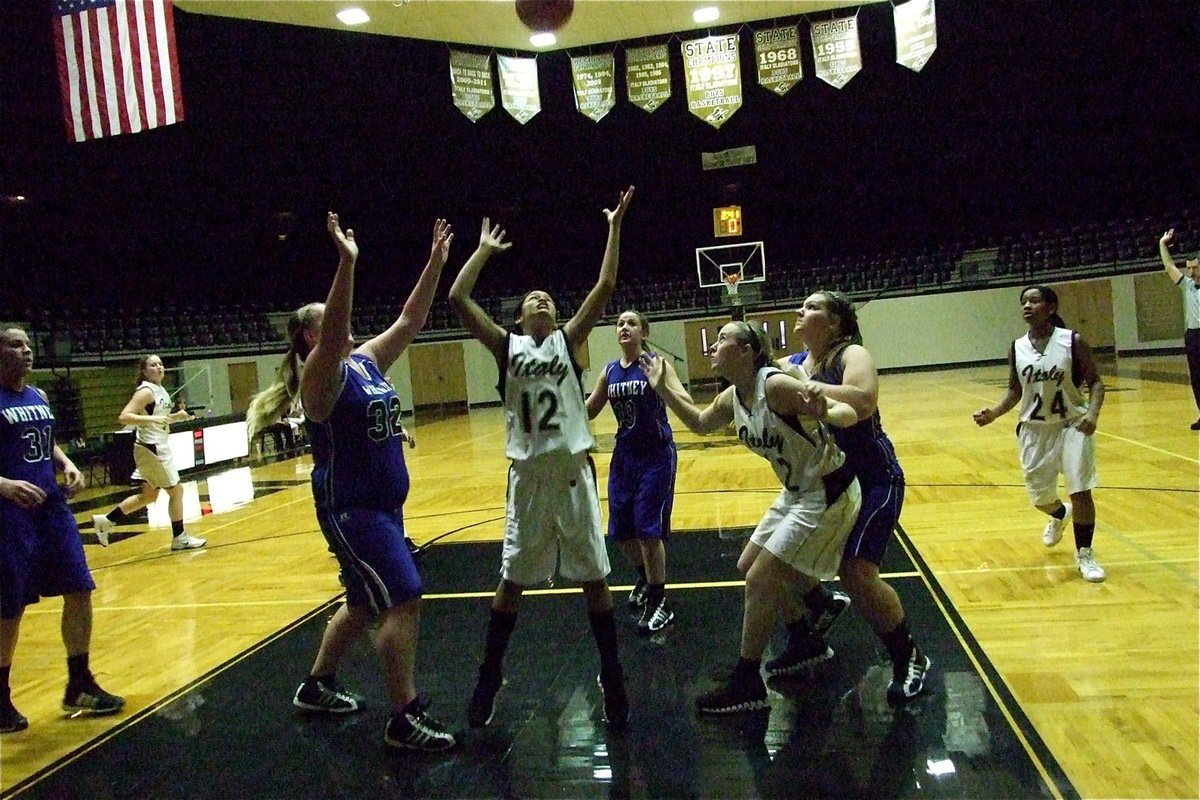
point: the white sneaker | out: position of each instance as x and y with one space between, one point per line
1085 560
104 527
186 542
1054 528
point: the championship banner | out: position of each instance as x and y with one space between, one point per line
595 85
777 52
519 87
836 51
471 83
648 76
713 77
916 33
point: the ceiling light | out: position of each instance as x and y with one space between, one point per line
353 16
706 14
544 39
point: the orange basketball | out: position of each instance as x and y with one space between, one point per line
544 15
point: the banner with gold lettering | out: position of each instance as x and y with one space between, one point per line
713 76
519 87
595 85
916 33
471 83
777 52
836 52
648 76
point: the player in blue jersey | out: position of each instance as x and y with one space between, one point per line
41 554
839 367
641 475
360 483
553 506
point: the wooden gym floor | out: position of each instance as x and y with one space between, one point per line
1043 685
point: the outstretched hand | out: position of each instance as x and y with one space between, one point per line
442 238
347 247
491 237
615 215
652 366
1167 237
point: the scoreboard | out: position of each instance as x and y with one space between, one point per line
727 221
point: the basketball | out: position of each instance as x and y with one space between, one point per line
544 15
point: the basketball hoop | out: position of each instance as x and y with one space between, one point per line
732 279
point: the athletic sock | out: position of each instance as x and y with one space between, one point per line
655 592
500 628
1084 534
604 628
817 599
641 571
117 516
1061 513
899 642
177 528
77 669
4 672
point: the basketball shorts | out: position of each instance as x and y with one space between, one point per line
553 516
376 565
41 555
806 533
877 518
641 492
154 465
1046 451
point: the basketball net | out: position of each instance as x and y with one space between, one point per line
732 279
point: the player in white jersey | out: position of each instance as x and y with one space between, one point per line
800 539
1048 368
149 412
1188 281
553 506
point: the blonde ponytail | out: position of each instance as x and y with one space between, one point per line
268 406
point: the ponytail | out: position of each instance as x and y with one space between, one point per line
269 405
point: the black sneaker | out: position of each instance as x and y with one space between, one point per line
836 603
655 618
908 677
415 729
740 693
616 703
88 698
483 699
11 720
639 595
801 653
327 697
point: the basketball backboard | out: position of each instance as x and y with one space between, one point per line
734 267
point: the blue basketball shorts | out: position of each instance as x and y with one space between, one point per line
41 555
369 545
641 494
878 517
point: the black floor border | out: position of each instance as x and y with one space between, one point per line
37 777
999 687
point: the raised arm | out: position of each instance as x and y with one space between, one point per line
1168 260
599 395
321 381
474 318
592 309
986 416
663 380
385 348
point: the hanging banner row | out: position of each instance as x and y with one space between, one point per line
711 69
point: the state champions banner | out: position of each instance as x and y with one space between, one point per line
519 87
648 76
916 33
713 76
777 54
595 85
471 84
836 51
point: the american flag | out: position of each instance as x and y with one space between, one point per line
116 66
